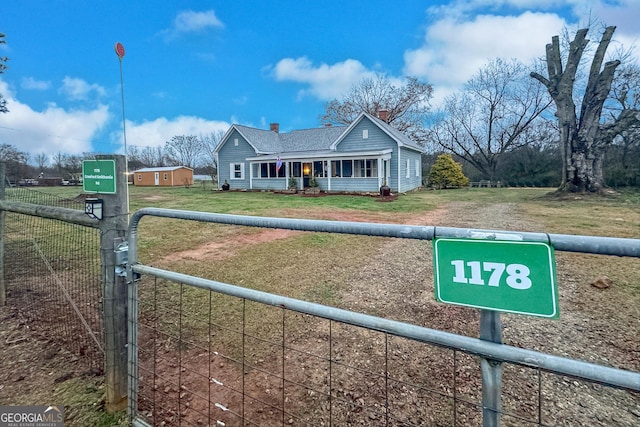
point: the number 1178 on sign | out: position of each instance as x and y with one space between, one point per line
510 276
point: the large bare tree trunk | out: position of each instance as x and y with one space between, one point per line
583 138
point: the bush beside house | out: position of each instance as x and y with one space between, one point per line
447 173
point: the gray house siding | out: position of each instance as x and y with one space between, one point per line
376 139
270 184
413 160
230 154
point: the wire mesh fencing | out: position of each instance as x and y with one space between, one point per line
206 358
52 277
203 352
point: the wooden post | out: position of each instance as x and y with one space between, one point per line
3 285
113 228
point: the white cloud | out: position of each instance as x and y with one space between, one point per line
33 84
453 49
155 133
52 130
79 90
325 81
188 21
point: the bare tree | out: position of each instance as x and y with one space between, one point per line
407 104
3 66
498 110
622 157
58 162
15 162
583 136
184 150
42 159
152 156
209 144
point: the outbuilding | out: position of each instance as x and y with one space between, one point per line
170 176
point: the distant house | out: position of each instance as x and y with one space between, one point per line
170 176
360 157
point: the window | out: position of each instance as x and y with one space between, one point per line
235 141
417 167
270 170
347 168
165 176
139 177
319 169
296 167
365 168
408 171
335 168
365 133
371 166
237 170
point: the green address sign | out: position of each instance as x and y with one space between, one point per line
509 276
99 176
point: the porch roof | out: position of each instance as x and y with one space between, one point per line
321 155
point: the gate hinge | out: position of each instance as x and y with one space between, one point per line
122 259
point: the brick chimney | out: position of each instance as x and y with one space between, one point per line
383 114
274 127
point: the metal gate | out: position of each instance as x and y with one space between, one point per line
214 362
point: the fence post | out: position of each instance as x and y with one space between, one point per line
3 286
113 228
491 330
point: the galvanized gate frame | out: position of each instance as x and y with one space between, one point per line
488 347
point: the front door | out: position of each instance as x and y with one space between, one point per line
307 170
156 177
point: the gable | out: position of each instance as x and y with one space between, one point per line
399 139
365 135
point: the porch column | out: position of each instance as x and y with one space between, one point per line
250 175
286 175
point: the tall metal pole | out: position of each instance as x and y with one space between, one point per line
119 48
491 330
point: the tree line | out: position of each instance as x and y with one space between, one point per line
195 152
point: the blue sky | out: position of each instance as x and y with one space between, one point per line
195 67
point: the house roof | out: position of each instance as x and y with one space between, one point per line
161 169
269 142
266 142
